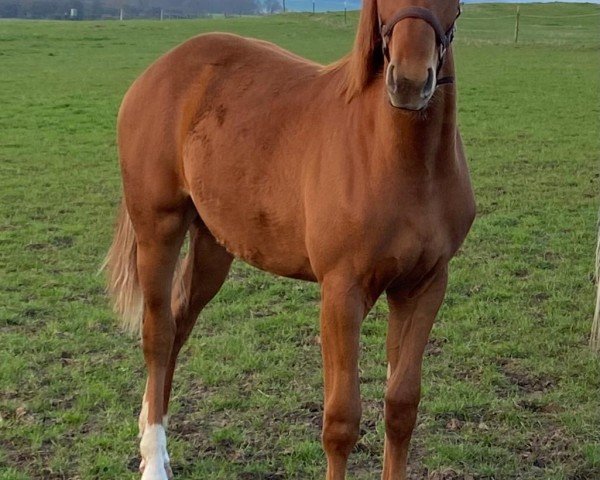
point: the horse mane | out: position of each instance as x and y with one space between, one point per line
366 58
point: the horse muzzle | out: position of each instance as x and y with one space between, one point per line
409 93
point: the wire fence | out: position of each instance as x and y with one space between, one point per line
320 5
499 23
569 24
523 25
575 24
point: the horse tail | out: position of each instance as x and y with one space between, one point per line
595 338
122 278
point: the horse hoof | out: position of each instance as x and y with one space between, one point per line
154 471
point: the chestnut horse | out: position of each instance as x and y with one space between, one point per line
351 175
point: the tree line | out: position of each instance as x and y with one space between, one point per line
97 9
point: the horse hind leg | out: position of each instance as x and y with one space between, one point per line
159 236
205 269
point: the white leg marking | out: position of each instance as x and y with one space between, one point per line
154 454
143 419
389 371
142 422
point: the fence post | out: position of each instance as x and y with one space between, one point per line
162 14
283 6
345 12
121 15
517 25
314 7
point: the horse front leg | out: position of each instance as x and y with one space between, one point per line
342 311
410 323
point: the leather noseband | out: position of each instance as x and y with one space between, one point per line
444 37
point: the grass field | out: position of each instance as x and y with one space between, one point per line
511 390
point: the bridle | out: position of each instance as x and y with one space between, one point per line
444 37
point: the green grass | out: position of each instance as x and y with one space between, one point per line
510 387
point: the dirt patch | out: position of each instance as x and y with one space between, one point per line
311 413
435 346
538 405
261 476
448 474
549 447
23 459
527 381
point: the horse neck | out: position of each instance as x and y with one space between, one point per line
423 140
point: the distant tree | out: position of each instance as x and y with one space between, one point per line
54 9
10 9
142 8
272 6
96 9
241 7
197 7
116 5
142 5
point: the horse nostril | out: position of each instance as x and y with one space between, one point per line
428 88
391 79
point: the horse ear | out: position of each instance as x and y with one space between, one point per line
366 58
